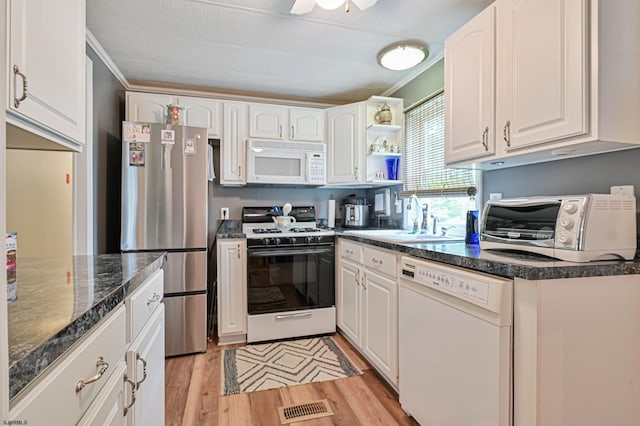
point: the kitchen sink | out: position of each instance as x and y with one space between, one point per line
401 236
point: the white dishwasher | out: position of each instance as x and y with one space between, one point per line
455 345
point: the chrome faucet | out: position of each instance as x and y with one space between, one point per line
444 229
416 218
435 224
425 218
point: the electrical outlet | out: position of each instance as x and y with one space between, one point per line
398 206
495 195
622 190
224 213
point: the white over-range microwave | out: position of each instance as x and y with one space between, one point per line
286 163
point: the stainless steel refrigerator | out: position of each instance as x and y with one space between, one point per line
164 207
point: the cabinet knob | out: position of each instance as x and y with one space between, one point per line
104 366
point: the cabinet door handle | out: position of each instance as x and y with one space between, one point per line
133 394
239 170
280 130
103 365
355 172
364 281
238 251
485 138
506 133
144 369
16 73
358 278
154 298
292 132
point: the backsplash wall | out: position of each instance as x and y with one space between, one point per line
590 174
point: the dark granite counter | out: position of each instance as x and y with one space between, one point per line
504 264
60 299
230 229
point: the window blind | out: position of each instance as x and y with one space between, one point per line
424 171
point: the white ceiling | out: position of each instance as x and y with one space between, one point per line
255 47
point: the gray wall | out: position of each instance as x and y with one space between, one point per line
108 113
425 85
595 173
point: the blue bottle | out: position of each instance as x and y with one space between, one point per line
472 236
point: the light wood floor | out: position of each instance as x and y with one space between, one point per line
192 385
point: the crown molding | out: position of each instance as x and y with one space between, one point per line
93 42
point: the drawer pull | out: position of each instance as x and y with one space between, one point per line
144 370
103 368
133 394
376 261
153 299
301 315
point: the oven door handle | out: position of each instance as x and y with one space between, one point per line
287 252
300 315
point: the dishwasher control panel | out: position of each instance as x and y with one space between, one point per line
488 292
453 283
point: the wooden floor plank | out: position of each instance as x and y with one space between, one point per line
193 395
177 380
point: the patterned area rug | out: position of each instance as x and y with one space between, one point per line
272 365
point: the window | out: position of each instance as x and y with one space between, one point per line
443 190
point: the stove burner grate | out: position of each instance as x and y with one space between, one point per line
266 231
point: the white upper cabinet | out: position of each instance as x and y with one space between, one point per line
543 86
47 80
537 80
148 107
286 123
306 124
233 143
196 112
345 146
267 121
470 88
202 112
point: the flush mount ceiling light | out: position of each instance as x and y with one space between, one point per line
304 6
402 55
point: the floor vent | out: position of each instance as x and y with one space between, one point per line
302 412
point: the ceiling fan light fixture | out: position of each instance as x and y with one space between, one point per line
403 55
329 4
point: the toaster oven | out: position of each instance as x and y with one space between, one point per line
577 228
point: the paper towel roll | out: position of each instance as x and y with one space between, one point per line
331 215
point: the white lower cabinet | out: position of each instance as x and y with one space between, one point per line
103 379
367 304
232 290
145 368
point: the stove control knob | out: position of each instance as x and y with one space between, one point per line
564 238
566 223
278 241
292 240
570 208
309 239
266 241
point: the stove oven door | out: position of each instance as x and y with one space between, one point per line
289 279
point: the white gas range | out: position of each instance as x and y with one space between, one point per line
290 276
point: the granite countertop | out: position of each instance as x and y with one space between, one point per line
504 264
59 299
